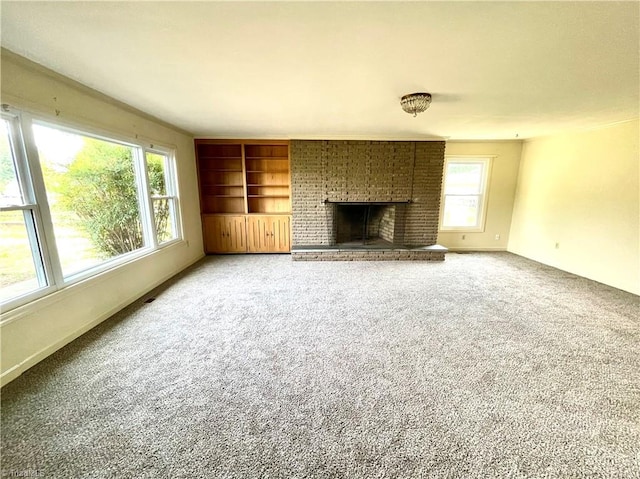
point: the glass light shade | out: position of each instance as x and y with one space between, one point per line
415 103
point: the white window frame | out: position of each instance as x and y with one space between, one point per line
483 196
31 179
36 231
172 193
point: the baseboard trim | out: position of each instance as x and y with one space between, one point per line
17 370
453 249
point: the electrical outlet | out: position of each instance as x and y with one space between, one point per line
497 237
557 245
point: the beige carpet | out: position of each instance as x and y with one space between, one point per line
487 365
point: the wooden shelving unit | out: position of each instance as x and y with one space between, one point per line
221 175
245 181
267 176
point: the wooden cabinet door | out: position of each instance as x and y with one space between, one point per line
236 229
268 234
213 238
281 239
258 234
225 234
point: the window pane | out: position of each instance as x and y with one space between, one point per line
93 197
163 218
18 270
156 168
10 193
163 208
464 178
461 211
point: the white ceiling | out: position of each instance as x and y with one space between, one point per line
338 70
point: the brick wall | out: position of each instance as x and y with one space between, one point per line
376 171
421 223
312 219
368 170
388 224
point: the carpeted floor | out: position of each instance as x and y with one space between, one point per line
485 366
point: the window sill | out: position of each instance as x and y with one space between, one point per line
461 230
77 285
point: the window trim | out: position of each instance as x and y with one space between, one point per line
31 177
487 162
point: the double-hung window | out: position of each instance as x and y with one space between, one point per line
23 271
163 195
75 203
464 193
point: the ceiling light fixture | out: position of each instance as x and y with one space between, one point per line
415 103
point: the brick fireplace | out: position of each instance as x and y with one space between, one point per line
366 200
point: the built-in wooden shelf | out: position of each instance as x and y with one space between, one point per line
239 180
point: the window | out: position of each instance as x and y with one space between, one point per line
464 194
164 199
92 195
74 204
22 268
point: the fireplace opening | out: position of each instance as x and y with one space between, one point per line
369 225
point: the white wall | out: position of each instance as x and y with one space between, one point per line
581 191
32 332
502 188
